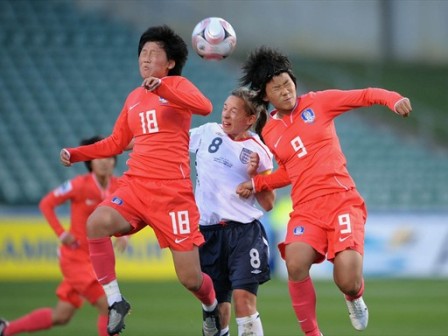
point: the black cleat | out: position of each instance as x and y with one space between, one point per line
211 325
117 313
3 325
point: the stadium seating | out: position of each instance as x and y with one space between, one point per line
65 74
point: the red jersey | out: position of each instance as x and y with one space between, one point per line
159 122
85 193
306 146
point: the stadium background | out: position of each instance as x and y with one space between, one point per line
67 66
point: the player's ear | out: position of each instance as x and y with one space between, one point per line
171 64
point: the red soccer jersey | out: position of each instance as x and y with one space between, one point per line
159 122
306 146
85 193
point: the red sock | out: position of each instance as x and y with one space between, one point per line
103 259
358 295
39 319
206 293
303 297
101 324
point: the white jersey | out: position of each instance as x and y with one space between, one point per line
221 165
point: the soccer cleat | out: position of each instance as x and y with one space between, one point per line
358 312
211 325
3 325
117 313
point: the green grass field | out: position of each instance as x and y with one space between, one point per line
397 307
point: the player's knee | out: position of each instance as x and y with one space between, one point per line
61 319
349 286
297 270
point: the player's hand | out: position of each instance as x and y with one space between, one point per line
245 189
403 107
151 83
121 243
69 240
64 156
252 166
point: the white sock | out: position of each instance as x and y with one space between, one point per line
225 331
112 292
210 308
250 325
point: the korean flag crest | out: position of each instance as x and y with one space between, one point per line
308 116
244 155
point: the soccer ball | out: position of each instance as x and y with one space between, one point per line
213 38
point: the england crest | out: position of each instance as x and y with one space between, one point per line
244 155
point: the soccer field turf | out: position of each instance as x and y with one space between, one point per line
397 307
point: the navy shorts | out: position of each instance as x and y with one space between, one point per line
235 256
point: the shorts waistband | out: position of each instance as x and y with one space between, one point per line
224 225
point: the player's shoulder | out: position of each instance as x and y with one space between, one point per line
82 179
175 80
207 128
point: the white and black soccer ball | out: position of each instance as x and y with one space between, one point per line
213 38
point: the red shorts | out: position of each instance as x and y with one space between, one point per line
330 224
168 206
79 279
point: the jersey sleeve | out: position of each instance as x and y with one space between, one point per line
113 145
183 93
52 200
278 179
195 138
339 101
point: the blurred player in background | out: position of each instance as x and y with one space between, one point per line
328 214
79 282
236 251
157 189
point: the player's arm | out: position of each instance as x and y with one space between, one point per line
48 205
113 145
185 94
339 101
265 198
278 179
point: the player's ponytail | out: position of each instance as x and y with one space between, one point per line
261 121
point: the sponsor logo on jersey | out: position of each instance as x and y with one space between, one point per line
117 200
308 116
162 100
63 188
244 155
298 230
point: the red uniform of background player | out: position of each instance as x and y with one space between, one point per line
79 282
328 213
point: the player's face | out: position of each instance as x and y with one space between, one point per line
235 118
153 61
103 167
281 93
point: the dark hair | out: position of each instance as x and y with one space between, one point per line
252 107
261 65
174 46
89 141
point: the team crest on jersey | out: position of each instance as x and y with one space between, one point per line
244 155
63 188
162 100
298 230
308 116
117 200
